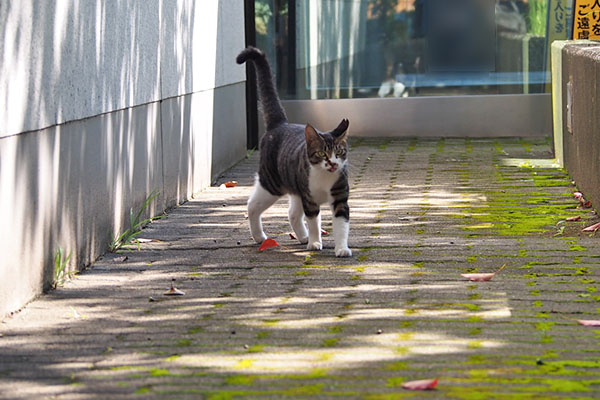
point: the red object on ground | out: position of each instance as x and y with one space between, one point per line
267 244
424 384
589 322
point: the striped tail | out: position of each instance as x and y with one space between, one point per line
273 112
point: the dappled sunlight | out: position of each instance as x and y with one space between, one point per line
352 352
529 162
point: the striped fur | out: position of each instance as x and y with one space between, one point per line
301 162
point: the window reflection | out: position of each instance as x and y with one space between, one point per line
403 48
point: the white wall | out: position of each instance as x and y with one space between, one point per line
101 103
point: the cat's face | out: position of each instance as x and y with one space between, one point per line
327 151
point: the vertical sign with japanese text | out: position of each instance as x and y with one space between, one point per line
586 19
559 19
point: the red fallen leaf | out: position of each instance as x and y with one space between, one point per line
292 236
267 244
587 204
424 384
324 232
231 184
592 228
578 195
482 277
576 218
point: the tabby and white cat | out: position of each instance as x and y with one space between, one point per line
307 165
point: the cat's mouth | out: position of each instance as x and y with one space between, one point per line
332 168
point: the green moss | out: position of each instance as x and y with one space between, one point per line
184 343
159 372
475 331
257 348
397 366
241 380
330 342
306 390
336 329
196 329
475 320
143 390
395 382
263 335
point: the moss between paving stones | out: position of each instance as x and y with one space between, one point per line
540 353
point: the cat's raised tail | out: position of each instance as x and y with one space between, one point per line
273 112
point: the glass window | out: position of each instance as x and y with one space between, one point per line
322 49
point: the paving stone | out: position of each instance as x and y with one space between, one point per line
292 323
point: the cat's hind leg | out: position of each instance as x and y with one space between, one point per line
259 201
296 215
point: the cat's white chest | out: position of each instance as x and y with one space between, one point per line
320 183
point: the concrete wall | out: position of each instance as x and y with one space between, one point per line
101 103
581 116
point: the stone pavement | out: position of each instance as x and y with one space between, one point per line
289 323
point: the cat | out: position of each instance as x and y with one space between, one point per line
308 165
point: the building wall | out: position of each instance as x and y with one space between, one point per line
101 103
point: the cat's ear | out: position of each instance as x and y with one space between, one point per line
341 131
313 139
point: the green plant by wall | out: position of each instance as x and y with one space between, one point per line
135 225
537 17
60 268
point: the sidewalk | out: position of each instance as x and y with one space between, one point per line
288 323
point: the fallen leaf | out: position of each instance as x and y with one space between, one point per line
589 322
578 195
576 218
324 232
173 291
587 204
267 244
592 228
231 184
292 236
482 277
423 384
142 240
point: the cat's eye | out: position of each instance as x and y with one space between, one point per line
339 152
321 154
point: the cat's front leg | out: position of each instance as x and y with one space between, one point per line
314 232
341 229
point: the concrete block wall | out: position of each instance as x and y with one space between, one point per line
101 103
579 130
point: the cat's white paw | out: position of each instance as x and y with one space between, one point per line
259 239
303 240
315 246
343 252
